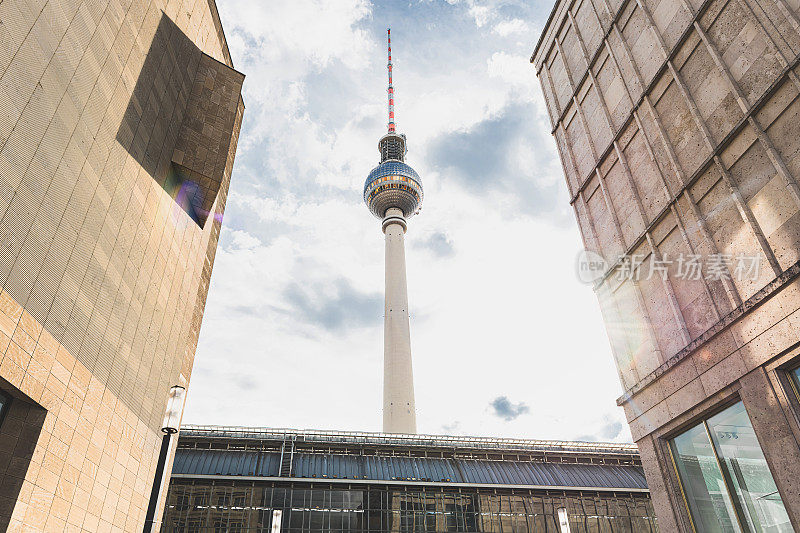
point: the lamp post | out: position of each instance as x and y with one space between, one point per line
563 520
170 426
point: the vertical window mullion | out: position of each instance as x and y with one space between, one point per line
793 383
726 479
680 485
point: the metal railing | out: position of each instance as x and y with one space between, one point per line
361 437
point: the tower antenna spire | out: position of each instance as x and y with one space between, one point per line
391 87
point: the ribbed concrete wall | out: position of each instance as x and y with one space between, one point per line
678 126
104 259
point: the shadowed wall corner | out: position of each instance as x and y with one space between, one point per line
186 155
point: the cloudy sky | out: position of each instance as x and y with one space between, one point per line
505 340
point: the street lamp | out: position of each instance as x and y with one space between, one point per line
170 426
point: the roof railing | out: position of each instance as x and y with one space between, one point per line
361 437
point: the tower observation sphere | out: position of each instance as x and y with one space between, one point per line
393 193
393 183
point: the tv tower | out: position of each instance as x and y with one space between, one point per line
393 193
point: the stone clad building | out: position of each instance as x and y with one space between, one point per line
118 126
678 126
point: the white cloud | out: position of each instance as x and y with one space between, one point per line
509 27
295 299
481 14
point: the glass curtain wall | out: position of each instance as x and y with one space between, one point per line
207 508
725 479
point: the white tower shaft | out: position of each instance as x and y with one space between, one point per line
399 415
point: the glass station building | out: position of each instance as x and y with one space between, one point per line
228 479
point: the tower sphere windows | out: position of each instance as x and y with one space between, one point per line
393 184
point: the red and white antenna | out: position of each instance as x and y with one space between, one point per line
391 88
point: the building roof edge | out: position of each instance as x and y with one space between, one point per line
212 5
544 29
191 430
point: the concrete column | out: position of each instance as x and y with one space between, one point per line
399 415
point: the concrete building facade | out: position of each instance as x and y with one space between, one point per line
678 126
119 121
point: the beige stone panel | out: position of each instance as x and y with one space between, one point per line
573 55
569 169
659 310
617 332
681 129
585 226
579 141
711 92
731 234
591 103
779 101
589 26
643 401
774 340
635 323
558 74
650 421
697 310
624 202
613 90
775 16
727 371
785 241
626 66
641 42
553 110
605 228
670 17
766 194
751 59
785 128
646 173
615 6
656 141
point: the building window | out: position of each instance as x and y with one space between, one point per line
5 402
794 376
725 479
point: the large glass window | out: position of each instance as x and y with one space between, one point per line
203 506
725 479
794 375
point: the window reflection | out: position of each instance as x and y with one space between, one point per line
725 478
794 375
251 509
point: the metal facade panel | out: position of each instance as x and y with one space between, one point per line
330 466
